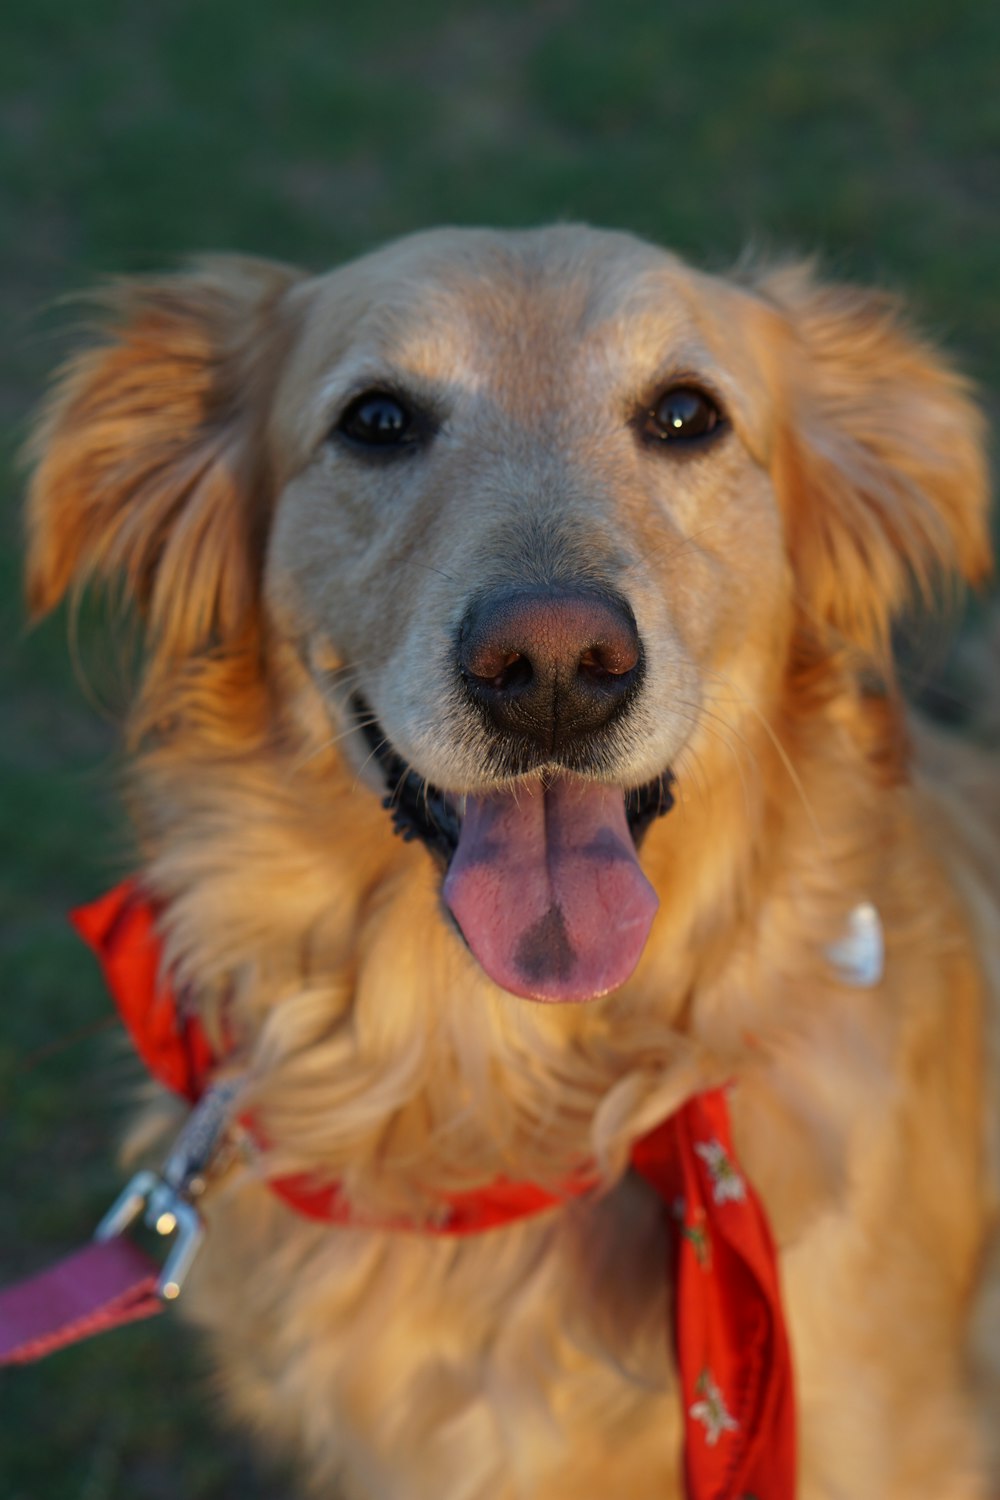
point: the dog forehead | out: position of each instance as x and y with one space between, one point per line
438 301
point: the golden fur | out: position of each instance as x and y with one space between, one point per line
187 453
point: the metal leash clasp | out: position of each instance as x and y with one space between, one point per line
166 1198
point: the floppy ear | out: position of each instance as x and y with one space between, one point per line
148 455
879 461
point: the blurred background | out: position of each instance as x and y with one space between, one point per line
133 131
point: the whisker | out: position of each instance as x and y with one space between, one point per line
677 546
785 759
305 759
700 716
397 791
373 752
335 681
430 568
338 673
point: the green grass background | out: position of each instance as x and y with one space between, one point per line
131 133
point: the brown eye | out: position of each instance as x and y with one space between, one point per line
680 415
378 419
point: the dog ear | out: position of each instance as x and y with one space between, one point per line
879 459
148 459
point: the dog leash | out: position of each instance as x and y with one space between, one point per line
112 1281
729 1334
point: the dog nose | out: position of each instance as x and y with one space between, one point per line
550 665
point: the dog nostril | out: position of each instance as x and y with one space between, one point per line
500 668
608 661
515 671
613 656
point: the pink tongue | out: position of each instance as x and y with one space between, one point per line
547 889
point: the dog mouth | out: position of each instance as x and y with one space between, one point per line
541 876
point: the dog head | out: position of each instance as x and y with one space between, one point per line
519 504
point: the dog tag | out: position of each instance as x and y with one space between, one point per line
859 956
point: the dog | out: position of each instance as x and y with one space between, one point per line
586 564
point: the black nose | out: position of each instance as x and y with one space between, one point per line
550 665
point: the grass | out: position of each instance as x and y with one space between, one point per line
132 131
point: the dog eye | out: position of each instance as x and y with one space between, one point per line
681 414
377 419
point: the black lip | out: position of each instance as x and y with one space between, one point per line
421 811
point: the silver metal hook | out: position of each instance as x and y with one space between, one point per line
165 1199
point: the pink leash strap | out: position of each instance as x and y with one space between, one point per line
99 1287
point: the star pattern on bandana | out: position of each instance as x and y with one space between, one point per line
711 1411
696 1232
727 1184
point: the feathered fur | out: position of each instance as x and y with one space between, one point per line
187 452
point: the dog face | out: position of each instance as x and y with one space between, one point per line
533 385
528 518
524 505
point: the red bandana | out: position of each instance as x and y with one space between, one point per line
731 1344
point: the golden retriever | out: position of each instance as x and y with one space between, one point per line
528 535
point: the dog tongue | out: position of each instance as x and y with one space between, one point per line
547 890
